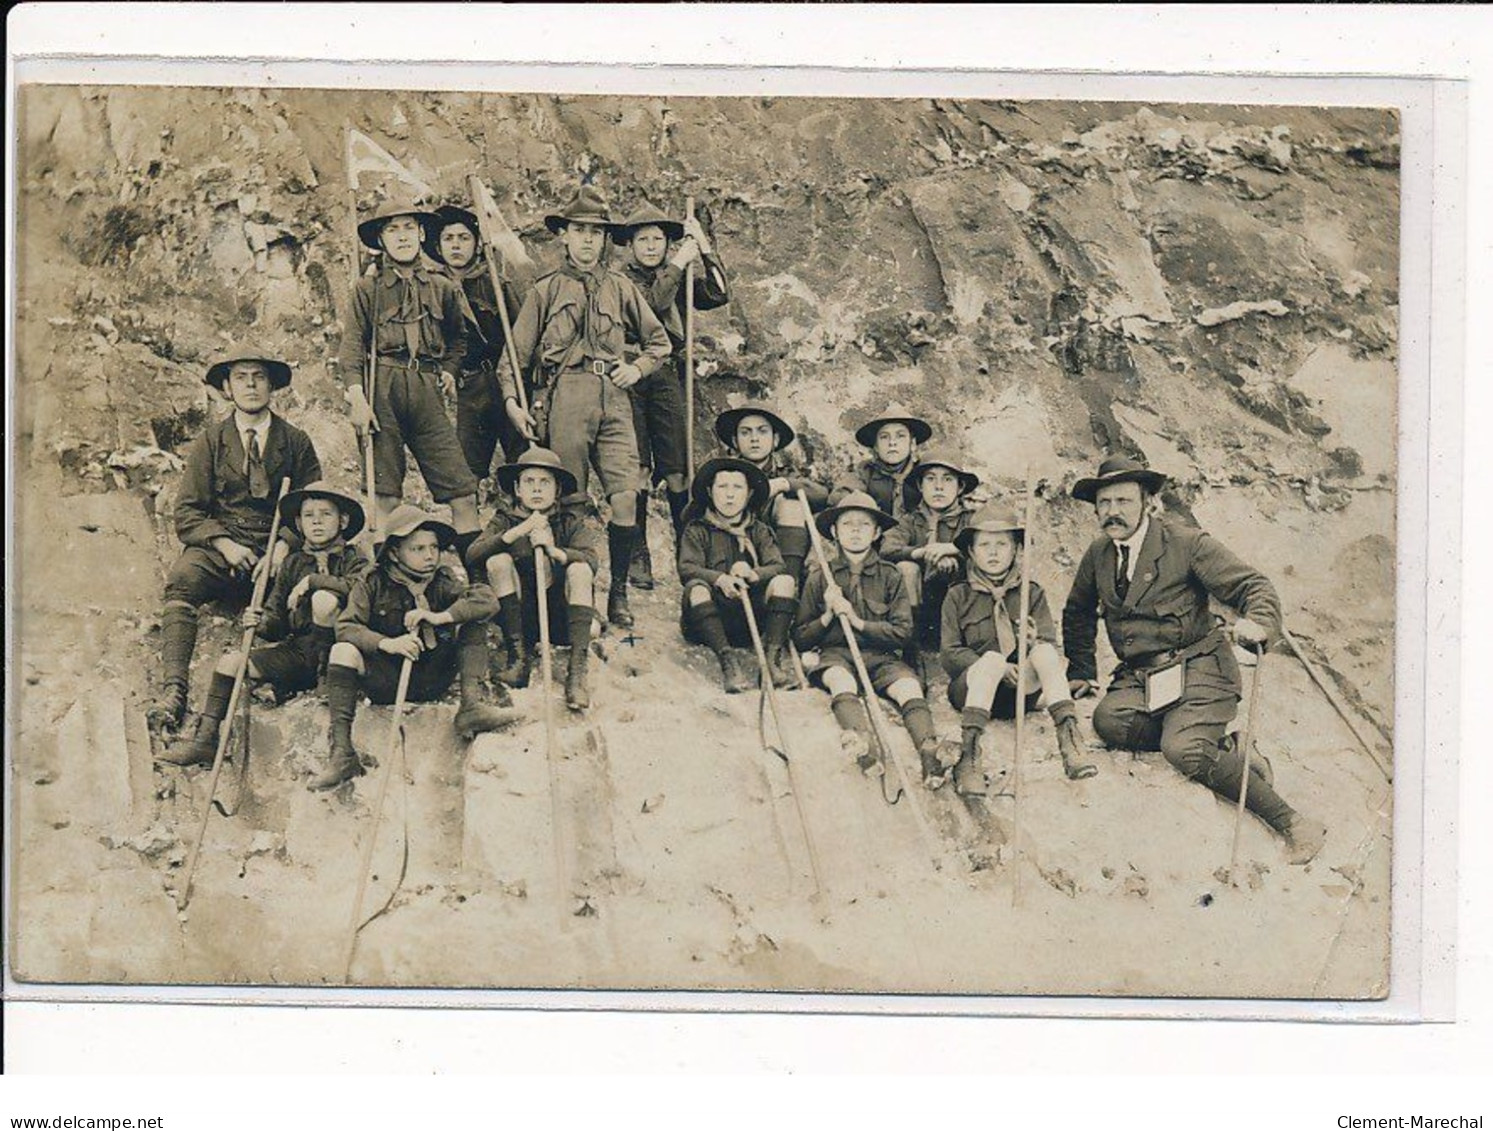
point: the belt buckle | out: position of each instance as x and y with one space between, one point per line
598 367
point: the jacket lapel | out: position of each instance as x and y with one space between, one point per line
274 452
1145 564
235 458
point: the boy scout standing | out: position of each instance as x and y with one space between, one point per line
1177 685
870 593
727 553
980 645
661 250
410 607
453 240
421 341
539 508
757 434
299 618
922 544
224 509
574 328
893 442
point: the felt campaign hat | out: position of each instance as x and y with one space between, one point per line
217 372
855 501
507 475
726 422
647 216
942 457
444 217
408 518
369 229
921 430
588 206
1118 469
705 478
992 518
290 506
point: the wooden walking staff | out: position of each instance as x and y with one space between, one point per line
765 675
1246 741
1023 645
1337 704
868 693
240 677
485 218
689 355
371 376
551 752
355 923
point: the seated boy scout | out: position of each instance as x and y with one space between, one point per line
410 607
299 618
1177 685
728 552
660 250
224 508
980 645
893 442
539 507
922 544
419 322
757 434
453 240
574 328
869 591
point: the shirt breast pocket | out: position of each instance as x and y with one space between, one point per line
563 325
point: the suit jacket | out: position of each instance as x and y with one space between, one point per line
1176 572
214 501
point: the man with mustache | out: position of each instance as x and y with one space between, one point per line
1177 685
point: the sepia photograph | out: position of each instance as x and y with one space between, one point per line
533 541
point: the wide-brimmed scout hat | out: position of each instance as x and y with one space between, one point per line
1118 469
508 474
290 506
921 430
647 216
855 501
444 217
726 422
217 372
946 459
369 229
408 518
588 206
992 518
704 478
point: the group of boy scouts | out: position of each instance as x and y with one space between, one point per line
917 563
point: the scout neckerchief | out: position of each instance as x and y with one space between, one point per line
898 476
592 315
408 310
933 517
669 316
738 530
476 269
857 572
417 586
997 588
323 556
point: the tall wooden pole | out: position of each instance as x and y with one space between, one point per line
1023 646
689 353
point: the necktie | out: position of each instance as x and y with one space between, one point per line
259 482
1122 579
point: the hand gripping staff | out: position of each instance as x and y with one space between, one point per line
485 220
256 604
769 692
386 771
873 705
541 596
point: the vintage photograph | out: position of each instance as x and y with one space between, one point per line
854 545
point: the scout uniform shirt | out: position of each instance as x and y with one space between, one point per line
973 624
914 527
573 318
890 487
574 533
377 604
216 499
333 569
1166 608
707 550
485 343
663 286
423 320
879 598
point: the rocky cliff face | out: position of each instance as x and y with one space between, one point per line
1213 288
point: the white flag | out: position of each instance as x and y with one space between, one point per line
364 155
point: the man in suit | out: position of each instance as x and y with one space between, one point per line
1177 685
